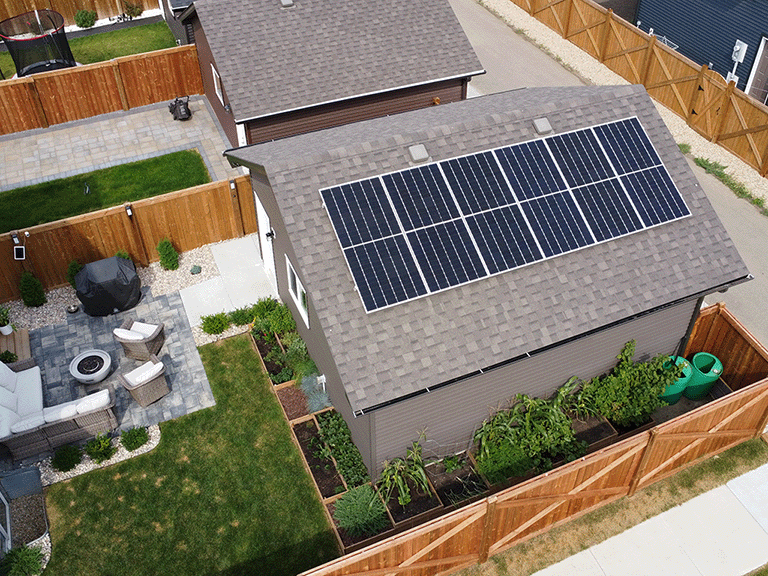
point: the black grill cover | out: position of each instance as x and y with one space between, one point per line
107 286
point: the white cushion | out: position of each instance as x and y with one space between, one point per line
144 373
93 402
7 378
8 399
29 391
146 329
60 412
127 334
7 419
32 421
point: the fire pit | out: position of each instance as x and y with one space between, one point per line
91 366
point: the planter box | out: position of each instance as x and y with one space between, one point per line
459 487
421 508
327 479
292 399
596 431
352 544
627 433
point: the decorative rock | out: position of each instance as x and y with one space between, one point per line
196 269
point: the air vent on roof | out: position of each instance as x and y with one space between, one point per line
542 126
418 153
286 3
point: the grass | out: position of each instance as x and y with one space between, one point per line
108 45
57 199
224 493
718 171
599 525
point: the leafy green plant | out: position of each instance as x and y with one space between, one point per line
169 257
123 254
85 18
72 270
32 293
5 316
264 307
22 561
66 458
100 448
360 512
453 463
335 433
684 148
270 317
132 10
297 357
8 357
241 316
403 473
134 438
215 323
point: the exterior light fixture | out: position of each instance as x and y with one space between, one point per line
128 210
15 238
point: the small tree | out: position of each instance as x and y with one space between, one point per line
85 18
32 293
169 257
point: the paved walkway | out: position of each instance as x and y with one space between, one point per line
111 139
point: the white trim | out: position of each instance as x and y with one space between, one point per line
217 84
242 139
297 291
755 64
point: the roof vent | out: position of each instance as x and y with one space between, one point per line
286 3
418 153
542 126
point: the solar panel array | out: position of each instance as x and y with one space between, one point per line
444 224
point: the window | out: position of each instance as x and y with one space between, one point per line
297 291
217 85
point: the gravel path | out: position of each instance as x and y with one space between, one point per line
593 72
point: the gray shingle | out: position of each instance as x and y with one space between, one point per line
399 350
274 59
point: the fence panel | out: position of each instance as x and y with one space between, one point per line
68 8
553 13
707 104
671 78
626 50
744 129
20 107
586 27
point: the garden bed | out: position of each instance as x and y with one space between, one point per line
596 431
352 543
323 470
293 401
421 508
459 486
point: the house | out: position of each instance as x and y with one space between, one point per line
276 68
707 31
440 307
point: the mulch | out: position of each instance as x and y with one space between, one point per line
294 402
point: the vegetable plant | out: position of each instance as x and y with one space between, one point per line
400 473
360 512
335 433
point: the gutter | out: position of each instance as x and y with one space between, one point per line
696 296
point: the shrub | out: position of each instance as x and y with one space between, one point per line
66 458
270 316
241 316
335 432
215 323
169 258
5 316
264 307
100 448
22 561
32 293
72 270
360 512
133 10
134 438
8 357
85 18
123 254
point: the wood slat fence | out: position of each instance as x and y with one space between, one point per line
713 108
40 100
68 8
189 218
480 530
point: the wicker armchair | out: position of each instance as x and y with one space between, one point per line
143 389
152 339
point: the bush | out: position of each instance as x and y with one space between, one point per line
133 10
100 448
123 254
215 323
72 270
270 316
134 438
22 561
360 512
241 316
5 316
317 398
32 293
66 458
8 357
169 258
335 432
85 18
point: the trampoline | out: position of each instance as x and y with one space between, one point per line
37 42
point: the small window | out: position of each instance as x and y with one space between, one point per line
297 291
217 85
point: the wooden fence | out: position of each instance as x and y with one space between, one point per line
189 218
40 100
480 530
712 107
68 8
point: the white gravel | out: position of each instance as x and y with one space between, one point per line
593 72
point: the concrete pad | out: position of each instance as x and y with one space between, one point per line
250 289
235 255
648 548
718 533
581 564
208 297
752 491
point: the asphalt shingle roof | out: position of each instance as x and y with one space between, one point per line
396 351
274 59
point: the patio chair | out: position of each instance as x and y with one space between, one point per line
139 340
147 383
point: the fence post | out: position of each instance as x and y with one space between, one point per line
37 105
763 423
567 23
137 236
643 463
606 34
648 57
695 94
490 519
120 87
724 110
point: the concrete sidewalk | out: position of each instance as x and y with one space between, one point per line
723 532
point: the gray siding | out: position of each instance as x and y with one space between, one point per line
450 415
706 30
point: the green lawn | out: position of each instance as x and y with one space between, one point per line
57 199
108 45
224 493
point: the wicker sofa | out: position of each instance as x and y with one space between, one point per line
28 429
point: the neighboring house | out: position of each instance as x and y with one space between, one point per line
444 357
706 31
276 68
172 10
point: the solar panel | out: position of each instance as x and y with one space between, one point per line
426 229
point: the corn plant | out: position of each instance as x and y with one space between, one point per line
398 472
